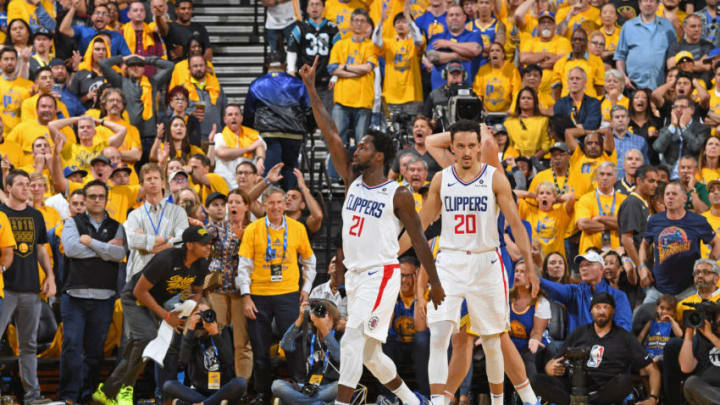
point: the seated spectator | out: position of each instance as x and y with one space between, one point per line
89 146
139 91
14 87
576 297
178 101
208 361
709 160
529 317
597 211
643 121
422 128
549 216
319 384
623 139
42 41
300 199
632 161
579 57
143 38
658 331
87 80
588 116
172 142
634 212
328 291
402 86
697 357
526 127
177 180
60 77
497 81
596 46
354 89
454 43
205 93
683 128
613 353
697 193
183 28
278 106
44 84
83 35
235 143
676 235
621 274
203 179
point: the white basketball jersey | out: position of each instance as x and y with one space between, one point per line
469 212
370 228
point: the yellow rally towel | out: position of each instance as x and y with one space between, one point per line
131 39
146 98
212 86
87 62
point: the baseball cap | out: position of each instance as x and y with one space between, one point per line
683 56
100 158
546 14
42 31
173 174
602 298
590 256
499 128
196 233
57 62
214 196
121 166
135 61
715 52
455 66
713 182
562 146
70 170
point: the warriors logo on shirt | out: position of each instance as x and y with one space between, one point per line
672 240
24 233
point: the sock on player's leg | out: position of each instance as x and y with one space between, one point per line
525 391
497 399
406 396
437 399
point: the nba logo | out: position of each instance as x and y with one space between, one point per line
596 354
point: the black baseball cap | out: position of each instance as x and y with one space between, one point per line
42 31
214 196
100 158
602 298
196 233
455 66
57 62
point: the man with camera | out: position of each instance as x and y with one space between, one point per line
207 354
700 355
599 356
436 104
323 355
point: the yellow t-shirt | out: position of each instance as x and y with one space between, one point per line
25 133
606 106
402 83
13 152
25 11
132 140
247 137
549 227
575 183
14 92
545 99
611 40
50 215
584 167
217 183
557 45
661 13
715 224
254 247
340 13
587 207
80 155
529 135
29 109
355 92
393 8
496 86
6 240
593 67
588 19
705 175
714 101
120 200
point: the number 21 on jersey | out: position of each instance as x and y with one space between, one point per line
357 226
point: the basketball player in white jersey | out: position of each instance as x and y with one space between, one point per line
468 195
374 213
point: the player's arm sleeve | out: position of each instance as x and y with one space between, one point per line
245 261
291 62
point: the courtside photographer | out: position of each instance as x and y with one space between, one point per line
700 353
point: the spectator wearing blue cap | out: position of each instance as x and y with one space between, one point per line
61 77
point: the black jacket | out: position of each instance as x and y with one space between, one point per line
198 351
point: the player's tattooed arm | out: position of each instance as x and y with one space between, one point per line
405 211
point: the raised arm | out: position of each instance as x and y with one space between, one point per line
329 131
437 146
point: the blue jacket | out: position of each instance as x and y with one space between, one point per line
278 102
577 297
590 113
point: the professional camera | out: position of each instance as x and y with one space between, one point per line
701 312
575 360
400 126
318 309
465 106
208 316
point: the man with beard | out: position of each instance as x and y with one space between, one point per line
67 97
613 351
83 35
204 89
630 164
635 210
422 128
14 88
683 85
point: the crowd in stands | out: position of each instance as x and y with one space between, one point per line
119 144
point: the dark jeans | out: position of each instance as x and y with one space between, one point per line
231 391
557 390
283 309
286 151
141 325
276 38
85 327
671 373
350 119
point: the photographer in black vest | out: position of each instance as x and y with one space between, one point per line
94 247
